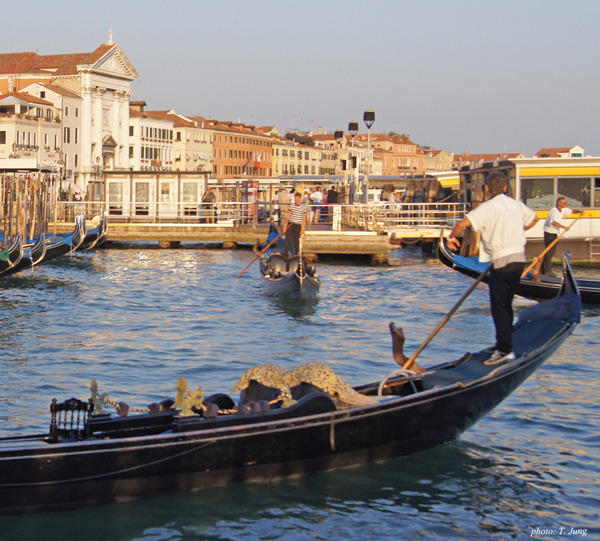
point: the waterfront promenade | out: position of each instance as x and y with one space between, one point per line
371 230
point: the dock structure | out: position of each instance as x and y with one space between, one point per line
316 242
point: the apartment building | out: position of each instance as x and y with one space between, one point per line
68 107
30 132
150 138
291 158
192 144
240 150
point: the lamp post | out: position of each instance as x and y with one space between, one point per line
339 137
353 130
369 119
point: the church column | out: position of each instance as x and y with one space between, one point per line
116 127
98 125
125 97
86 129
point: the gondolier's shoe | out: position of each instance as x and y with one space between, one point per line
500 357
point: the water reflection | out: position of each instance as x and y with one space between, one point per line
295 308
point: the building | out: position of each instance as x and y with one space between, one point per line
30 133
192 144
240 150
291 158
102 80
150 138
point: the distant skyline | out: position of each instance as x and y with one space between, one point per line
482 76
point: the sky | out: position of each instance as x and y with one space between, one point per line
483 76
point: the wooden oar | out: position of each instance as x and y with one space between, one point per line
261 253
300 262
447 317
540 257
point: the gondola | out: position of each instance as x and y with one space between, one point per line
33 254
12 254
285 423
73 239
287 277
546 288
46 247
96 235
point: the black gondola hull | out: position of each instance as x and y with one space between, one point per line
546 288
194 453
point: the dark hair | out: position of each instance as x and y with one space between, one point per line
496 181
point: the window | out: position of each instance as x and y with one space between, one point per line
43 94
76 135
66 111
76 111
538 193
2 137
576 190
130 131
67 136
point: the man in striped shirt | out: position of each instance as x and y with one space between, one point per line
295 225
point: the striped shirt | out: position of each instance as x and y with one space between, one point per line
297 212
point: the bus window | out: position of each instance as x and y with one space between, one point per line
576 190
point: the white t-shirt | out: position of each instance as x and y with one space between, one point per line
556 215
502 222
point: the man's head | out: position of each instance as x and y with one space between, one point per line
497 182
298 197
561 203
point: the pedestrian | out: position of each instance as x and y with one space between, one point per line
502 222
295 225
552 227
208 204
317 203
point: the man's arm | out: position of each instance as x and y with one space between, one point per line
458 229
533 222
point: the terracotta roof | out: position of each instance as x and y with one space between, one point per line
59 64
60 90
552 152
467 157
28 98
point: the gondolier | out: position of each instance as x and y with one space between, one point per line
295 225
502 221
553 226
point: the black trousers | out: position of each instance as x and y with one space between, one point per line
547 263
503 283
292 238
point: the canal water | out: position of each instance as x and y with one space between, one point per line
135 318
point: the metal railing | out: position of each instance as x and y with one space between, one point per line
379 217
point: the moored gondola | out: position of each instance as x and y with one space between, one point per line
12 254
547 287
285 423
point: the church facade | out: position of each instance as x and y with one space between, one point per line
90 93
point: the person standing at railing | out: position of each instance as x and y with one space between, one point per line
317 198
208 204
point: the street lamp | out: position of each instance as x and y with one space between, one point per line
369 119
353 130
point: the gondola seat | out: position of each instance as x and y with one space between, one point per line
277 265
70 420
